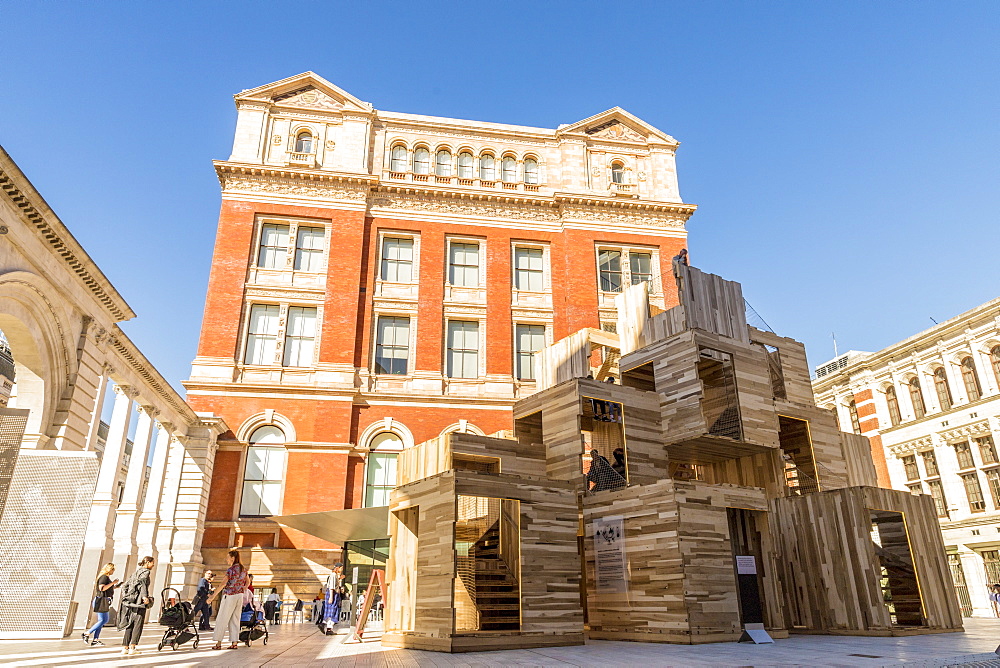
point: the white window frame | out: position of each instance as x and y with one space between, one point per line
415 266
276 336
309 252
480 353
444 169
430 160
626 265
310 359
280 482
481 243
546 271
546 341
291 248
281 335
406 160
410 347
384 451
538 170
479 166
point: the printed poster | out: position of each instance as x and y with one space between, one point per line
609 550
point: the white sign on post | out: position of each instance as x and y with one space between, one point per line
609 551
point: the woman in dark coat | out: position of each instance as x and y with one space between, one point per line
135 600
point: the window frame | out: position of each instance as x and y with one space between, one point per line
963 455
987 446
931 469
970 379
936 492
916 392
480 265
425 167
449 350
994 355
291 338
483 157
971 483
506 160
414 263
298 142
532 177
544 271
395 163
471 173
625 252
376 345
301 251
263 225
892 403
942 388
443 168
281 333
852 412
384 452
271 482
531 356
247 333
910 467
617 175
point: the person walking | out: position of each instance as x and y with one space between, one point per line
232 589
205 590
132 609
102 603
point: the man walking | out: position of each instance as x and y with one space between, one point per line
205 590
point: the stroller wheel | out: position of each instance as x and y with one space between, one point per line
173 646
194 645
265 639
159 647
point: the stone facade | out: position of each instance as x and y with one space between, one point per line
931 407
60 315
464 238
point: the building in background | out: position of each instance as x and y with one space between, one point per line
7 371
931 407
381 278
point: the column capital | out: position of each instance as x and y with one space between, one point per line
126 391
167 426
107 369
151 411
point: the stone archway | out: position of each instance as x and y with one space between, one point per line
37 387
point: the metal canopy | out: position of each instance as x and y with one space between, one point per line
340 526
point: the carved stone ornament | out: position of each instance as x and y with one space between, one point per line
310 98
903 449
642 176
465 207
330 144
616 130
284 294
276 140
282 186
625 216
968 430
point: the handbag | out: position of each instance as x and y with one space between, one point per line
101 603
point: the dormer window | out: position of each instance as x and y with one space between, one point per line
617 172
421 161
531 171
397 163
304 142
442 164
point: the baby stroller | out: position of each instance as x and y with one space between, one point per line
178 617
252 626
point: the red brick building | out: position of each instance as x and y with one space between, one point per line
381 278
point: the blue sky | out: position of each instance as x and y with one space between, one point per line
843 155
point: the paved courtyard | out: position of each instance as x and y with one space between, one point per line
303 645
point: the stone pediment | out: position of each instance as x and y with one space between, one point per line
308 98
616 124
305 91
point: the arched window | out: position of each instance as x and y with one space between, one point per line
917 398
380 471
530 171
617 172
421 161
942 389
893 401
971 379
442 165
263 473
487 167
995 361
509 169
465 161
398 161
852 408
304 142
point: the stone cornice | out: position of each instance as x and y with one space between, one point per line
974 429
33 207
554 208
129 353
908 447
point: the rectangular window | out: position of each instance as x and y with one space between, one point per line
529 269
273 246
910 465
262 334
609 263
993 480
529 339
300 336
987 449
463 264
974 492
392 345
930 462
381 478
309 249
641 266
262 477
463 349
991 564
397 259
964 455
937 493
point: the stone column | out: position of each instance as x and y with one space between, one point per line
192 503
149 519
98 544
95 417
164 536
128 508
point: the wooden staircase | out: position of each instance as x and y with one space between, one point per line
497 594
